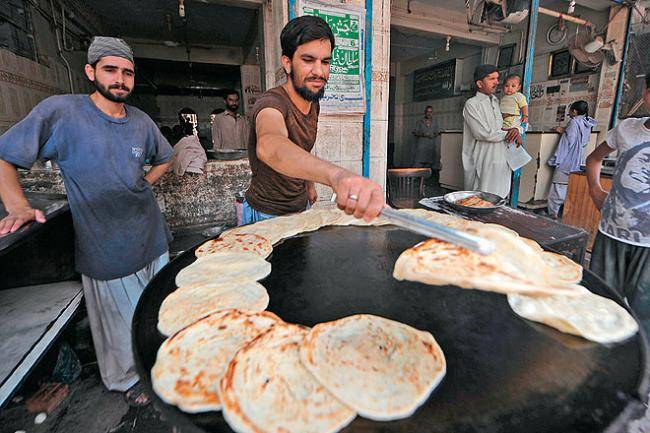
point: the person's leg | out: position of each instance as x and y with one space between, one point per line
608 262
556 197
110 305
637 282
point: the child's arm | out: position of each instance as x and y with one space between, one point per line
524 114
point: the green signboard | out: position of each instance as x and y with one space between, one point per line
345 90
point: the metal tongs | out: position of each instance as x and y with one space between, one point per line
434 230
438 231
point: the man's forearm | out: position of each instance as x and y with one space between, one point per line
284 156
11 193
156 172
593 166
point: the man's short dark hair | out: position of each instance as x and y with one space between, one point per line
427 107
302 30
581 107
230 92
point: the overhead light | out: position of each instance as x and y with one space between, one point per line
171 44
448 46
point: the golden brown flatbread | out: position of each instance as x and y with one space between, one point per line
188 304
267 389
190 364
381 368
513 268
236 243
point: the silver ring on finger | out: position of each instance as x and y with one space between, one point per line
353 197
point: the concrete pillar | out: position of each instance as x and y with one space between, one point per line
379 99
610 74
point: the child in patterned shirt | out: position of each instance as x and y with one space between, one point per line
514 107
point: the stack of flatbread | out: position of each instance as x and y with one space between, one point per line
269 376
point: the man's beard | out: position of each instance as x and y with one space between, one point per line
105 91
232 107
304 92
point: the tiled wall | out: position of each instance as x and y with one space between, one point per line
340 137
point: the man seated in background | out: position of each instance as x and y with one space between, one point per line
230 129
189 156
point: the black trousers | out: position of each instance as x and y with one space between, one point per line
626 268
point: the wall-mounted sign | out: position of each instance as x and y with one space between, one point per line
434 82
345 91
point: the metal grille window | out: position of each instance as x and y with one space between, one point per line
636 68
16 30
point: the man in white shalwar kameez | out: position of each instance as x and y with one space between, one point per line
484 141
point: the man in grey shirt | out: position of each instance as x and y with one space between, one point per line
427 148
120 235
230 129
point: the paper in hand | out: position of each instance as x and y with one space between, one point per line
516 156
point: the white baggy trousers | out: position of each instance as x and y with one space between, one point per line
110 305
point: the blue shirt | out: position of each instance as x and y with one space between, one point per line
118 226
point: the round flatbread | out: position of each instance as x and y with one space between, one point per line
188 304
274 229
381 368
236 243
593 317
513 268
190 364
565 269
314 219
267 389
533 244
223 267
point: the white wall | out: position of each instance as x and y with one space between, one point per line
446 111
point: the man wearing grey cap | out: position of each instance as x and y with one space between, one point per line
100 144
484 141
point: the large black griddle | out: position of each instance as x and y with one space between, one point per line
504 374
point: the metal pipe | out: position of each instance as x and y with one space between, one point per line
528 78
365 160
293 9
65 46
60 49
621 75
564 17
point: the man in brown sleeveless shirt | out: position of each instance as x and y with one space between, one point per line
285 125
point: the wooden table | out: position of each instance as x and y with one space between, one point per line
570 241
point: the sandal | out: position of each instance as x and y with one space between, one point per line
136 396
